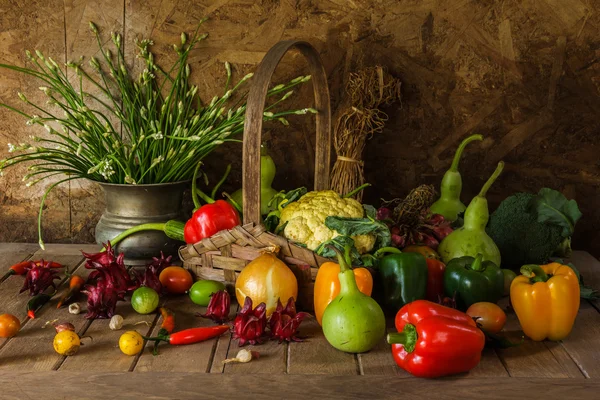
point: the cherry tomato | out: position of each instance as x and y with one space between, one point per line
144 300
489 316
9 325
201 291
176 279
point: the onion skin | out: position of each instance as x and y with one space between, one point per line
64 326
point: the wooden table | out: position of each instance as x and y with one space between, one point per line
566 369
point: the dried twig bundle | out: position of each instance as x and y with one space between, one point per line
359 119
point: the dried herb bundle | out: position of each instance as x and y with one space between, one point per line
360 118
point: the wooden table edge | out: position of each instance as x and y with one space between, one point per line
159 385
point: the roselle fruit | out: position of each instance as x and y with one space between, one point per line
250 324
39 278
149 277
284 322
218 307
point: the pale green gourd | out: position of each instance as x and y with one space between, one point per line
471 239
353 322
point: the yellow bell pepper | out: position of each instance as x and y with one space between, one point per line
546 300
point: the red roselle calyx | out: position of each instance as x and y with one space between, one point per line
149 277
219 306
250 324
284 322
39 278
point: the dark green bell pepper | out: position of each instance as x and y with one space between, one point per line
403 278
471 280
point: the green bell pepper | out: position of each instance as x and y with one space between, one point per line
471 280
403 278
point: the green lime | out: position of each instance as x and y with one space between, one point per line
200 291
509 276
144 300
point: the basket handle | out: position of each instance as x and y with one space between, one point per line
254 119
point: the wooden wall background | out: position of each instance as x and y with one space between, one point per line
524 73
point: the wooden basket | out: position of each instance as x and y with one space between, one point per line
223 256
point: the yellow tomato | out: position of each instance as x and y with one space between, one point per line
66 343
266 279
131 343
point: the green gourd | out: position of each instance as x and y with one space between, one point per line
267 174
353 322
471 239
449 204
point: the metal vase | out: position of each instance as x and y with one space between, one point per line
131 205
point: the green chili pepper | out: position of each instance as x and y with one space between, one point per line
473 281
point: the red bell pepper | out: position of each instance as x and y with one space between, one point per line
435 279
434 340
209 218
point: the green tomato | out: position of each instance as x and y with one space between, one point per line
144 300
509 276
200 291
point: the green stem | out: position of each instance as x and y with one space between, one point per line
477 264
461 148
492 179
382 251
234 203
207 199
535 273
213 194
194 195
408 338
344 265
358 189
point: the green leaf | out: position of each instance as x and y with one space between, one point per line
553 207
339 242
361 226
370 211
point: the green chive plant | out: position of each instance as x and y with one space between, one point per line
164 132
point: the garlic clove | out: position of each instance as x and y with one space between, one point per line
74 308
116 322
243 356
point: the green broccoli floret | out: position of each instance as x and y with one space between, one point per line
519 236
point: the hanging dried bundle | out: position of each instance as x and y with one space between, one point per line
359 119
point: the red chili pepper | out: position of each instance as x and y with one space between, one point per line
36 303
193 335
75 285
435 279
22 267
209 218
434 340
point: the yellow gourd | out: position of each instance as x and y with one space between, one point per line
266 279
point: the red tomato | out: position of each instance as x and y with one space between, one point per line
9 325
489 316
176 279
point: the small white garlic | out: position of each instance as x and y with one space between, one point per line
116 322
74 308
243 356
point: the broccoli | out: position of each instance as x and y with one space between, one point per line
529 228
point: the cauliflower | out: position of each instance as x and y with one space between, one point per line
305 219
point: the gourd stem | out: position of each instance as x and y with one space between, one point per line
213 194
492 179
382 251
358 189
408 338
344 265
461 148
535 273
477 265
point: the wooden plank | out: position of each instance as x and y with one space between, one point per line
192 358
102 352
534 359
32 349
161 385
222 346
12 253
379 361
272 359
316 356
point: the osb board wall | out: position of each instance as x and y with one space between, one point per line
524 73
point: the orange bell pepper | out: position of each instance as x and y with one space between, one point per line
327 285
546 300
